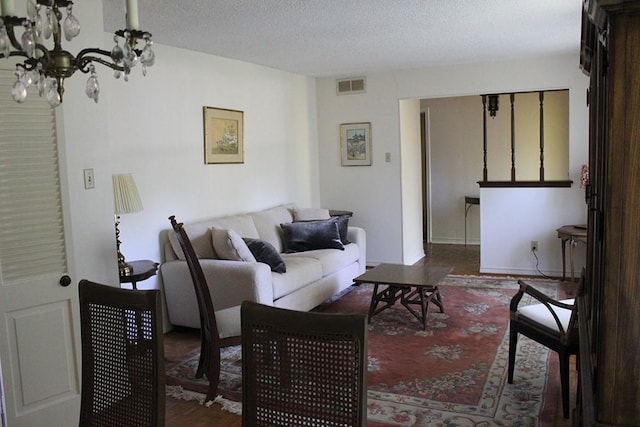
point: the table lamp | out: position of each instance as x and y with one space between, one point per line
125 200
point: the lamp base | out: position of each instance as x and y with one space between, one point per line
124 269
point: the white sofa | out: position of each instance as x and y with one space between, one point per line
311 277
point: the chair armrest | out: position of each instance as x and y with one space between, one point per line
542 298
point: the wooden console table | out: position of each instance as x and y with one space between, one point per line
469 201
573 234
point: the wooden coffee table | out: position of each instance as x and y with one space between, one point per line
413 285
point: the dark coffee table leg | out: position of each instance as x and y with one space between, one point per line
437 299
422 296
416 296
424 305
389 296
374 302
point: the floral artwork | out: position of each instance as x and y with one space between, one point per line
223 136
355 141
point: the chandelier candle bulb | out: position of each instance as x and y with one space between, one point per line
6 6
132 15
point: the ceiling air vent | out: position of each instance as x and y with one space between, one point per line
353 85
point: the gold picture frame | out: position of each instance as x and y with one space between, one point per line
223 135
355 144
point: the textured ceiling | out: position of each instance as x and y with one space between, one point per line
350 37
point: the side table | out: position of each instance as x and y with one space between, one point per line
573 234
140 270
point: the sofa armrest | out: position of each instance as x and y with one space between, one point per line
358 236
230 283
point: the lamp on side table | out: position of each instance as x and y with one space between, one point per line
125 200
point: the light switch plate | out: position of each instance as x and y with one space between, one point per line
88 179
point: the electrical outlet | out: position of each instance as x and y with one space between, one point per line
88 179
534 245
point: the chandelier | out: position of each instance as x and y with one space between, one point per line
48 68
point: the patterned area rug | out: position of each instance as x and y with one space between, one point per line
452 374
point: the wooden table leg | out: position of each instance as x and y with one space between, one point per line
564 263
438 299
572 244
389 296
422 296
374 302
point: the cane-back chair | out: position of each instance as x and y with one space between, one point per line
210 342
123 379
303 368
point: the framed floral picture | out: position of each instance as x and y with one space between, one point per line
355 144
223 135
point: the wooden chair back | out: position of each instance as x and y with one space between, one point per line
303 368
209 362
123 378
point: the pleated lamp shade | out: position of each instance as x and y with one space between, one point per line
125 194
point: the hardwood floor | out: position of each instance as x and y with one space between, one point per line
465 260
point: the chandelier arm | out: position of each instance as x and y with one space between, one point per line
83 59
29 63
44 50
9 24
84 62
20 53
103 52
83 52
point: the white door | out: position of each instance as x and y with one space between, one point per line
39 315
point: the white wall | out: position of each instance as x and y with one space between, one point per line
456 153
411 164
152 127
513 217
372 192
455 166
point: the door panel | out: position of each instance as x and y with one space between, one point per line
39 318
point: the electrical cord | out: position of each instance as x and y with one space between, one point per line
538 265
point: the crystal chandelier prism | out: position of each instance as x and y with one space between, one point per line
46 68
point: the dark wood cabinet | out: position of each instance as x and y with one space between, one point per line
609 374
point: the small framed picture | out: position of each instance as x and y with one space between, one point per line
355 144
223 135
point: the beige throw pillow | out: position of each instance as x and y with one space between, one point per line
309 214
229 245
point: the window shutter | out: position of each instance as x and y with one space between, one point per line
32 232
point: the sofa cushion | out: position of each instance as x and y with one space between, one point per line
309 235
331 260
300 272
229 245
309 214
241 224
343 227
264 251
200 236
267 223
